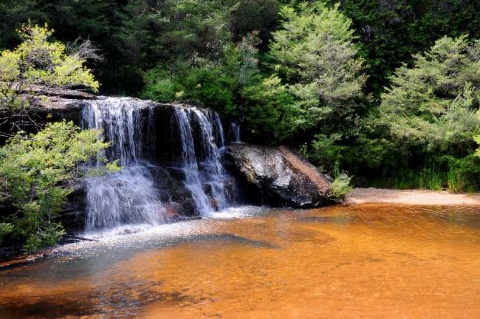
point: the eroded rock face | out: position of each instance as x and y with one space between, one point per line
279 176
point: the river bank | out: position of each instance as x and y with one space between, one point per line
409 197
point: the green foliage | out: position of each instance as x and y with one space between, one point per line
194 30
477 140
212 86
134 36
254 16
341 184
325 151
391 31
433 103
37 173
209 85
37 62
315 80
161 87
426 178
431 112
5 230
293 75
247 60
463 174
266 105
193 61
317 58
443 172
47 63
269 110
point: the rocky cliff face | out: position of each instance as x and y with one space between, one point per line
279 176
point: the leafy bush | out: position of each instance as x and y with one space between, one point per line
37 173
212 86
269 111
161 87
38 62
341 184
431 110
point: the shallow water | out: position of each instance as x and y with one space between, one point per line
339 262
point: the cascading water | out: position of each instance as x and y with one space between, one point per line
235 132
133 195
123 198
190 167
208 174
127 196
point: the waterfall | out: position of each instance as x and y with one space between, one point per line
127 196
208 174
235 132
123 198
146 190
190 167
119 119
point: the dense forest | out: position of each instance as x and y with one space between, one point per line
386 90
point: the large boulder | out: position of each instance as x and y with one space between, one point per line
279 176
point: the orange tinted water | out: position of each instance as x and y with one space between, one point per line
338 262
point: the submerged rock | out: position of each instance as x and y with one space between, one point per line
279 176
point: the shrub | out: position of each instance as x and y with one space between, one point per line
341 184
317 57
37 61
37 173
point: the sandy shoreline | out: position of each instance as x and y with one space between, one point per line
409 197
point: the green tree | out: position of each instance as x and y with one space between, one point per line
433 103
38 63
5 230
37 173
317 59
390 31
431 111
254 16
269 110
191 48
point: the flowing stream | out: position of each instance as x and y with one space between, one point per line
365 261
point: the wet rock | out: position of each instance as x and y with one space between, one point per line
177 200
279 176
73 216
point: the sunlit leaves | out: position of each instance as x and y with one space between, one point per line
434 102
37 174
45 62
317 58
38 61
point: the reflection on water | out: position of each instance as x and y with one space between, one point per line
338 262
